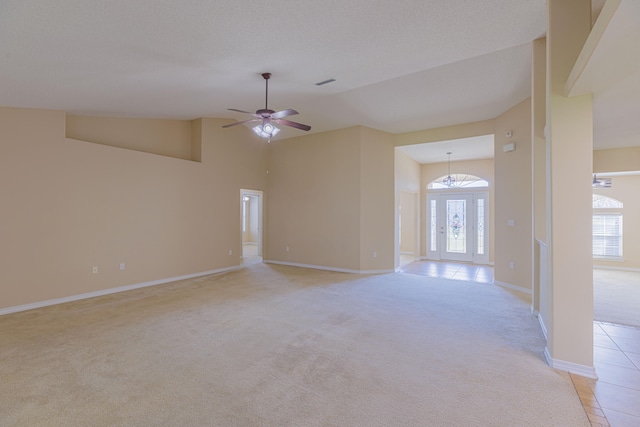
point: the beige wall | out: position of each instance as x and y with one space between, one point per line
407 173
331 200
314 202
616 160
513 200
170 138
483 168
377 201
69 205
407 207
407 187
464 130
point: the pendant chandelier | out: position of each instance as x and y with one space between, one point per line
449 181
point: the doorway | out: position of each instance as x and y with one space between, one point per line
251 225
457 227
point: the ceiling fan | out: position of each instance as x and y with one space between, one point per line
601 182
267 117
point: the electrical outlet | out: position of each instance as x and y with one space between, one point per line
121 266
375 254
286 248
95 269
230 252
512 265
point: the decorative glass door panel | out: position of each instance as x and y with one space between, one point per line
456 229
455 234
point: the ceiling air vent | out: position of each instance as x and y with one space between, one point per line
324 82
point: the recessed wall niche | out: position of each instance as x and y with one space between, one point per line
179 139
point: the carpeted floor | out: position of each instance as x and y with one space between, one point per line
616 296
283 346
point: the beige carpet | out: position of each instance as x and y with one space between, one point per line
283 346
616 296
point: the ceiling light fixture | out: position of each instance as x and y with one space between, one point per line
266 130
449 181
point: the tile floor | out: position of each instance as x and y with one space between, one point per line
450 270
614 398
611 400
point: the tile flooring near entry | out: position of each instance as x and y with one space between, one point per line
450 270
614 398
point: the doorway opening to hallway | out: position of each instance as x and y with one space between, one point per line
251 225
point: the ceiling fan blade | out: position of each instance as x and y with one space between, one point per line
283 113
292 124
240 111
240 123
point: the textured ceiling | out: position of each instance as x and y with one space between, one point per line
399 65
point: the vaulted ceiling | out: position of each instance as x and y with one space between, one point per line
398 66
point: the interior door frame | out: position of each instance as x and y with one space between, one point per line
259 195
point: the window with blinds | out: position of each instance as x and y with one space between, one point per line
607 236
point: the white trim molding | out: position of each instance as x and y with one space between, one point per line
573 368
543 327
109 291
611 267
322 267
512 287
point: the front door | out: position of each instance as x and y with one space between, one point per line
456 227
456 232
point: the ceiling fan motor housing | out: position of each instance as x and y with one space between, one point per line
265 112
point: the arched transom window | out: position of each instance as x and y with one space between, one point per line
604 202
461 180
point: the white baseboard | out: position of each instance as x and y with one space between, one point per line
109 291
574 368
542 326
513 287
609 267
322 267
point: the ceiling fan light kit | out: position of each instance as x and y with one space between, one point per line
600 182
266 129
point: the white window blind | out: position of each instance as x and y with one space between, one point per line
607 236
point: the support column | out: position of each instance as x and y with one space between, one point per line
569 140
